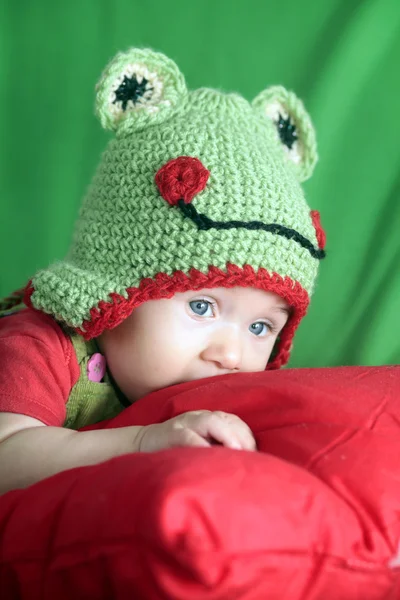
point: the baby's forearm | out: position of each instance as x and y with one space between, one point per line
39 452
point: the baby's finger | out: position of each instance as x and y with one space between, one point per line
188 438
229 435
241 429
169 435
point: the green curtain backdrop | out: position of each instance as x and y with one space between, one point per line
341 56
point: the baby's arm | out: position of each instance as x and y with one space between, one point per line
31 451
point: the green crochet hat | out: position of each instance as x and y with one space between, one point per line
197 189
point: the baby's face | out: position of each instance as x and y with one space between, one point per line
193 335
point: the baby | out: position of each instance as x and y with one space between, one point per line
194 255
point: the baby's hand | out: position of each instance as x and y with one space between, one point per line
201 428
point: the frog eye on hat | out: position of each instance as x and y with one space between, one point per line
138 87
293 128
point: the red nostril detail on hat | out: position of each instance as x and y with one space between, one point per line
181 179
321 235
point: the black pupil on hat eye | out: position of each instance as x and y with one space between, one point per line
131 89
287 131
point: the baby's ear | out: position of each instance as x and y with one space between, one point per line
138 88
294 129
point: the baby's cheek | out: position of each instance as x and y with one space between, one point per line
157 364
258 356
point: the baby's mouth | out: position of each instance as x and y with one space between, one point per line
203 222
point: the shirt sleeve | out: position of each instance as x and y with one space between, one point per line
38 367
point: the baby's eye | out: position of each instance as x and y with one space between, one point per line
260 327
200 307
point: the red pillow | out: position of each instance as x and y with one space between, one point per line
314 515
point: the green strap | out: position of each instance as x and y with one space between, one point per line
89 402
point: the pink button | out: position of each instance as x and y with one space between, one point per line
96 367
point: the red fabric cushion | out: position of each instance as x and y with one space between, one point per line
314 515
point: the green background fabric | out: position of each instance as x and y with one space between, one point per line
340 56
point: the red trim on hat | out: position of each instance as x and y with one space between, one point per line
29 289
321 235
108 315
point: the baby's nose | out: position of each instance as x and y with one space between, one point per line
225 349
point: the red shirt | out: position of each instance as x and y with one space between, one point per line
38 367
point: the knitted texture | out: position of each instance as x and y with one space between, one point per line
89 402
197 189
